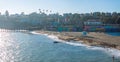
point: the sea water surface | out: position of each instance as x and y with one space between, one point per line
26 47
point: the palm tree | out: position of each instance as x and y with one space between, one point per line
40 11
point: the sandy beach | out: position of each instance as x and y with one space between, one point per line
92 39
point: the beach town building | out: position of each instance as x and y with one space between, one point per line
112 27
108 14
93 22
93 25
96 25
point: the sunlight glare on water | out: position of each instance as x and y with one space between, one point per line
7 48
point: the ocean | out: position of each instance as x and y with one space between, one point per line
34 47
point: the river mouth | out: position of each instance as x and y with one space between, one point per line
25 47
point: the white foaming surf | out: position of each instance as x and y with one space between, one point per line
113 52
33 32
70 43
110 51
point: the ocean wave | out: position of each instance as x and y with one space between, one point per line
113 52
33 32
110 51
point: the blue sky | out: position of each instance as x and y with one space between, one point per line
61 6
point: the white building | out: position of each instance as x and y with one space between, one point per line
93 22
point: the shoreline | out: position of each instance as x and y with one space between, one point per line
87 40
92 46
